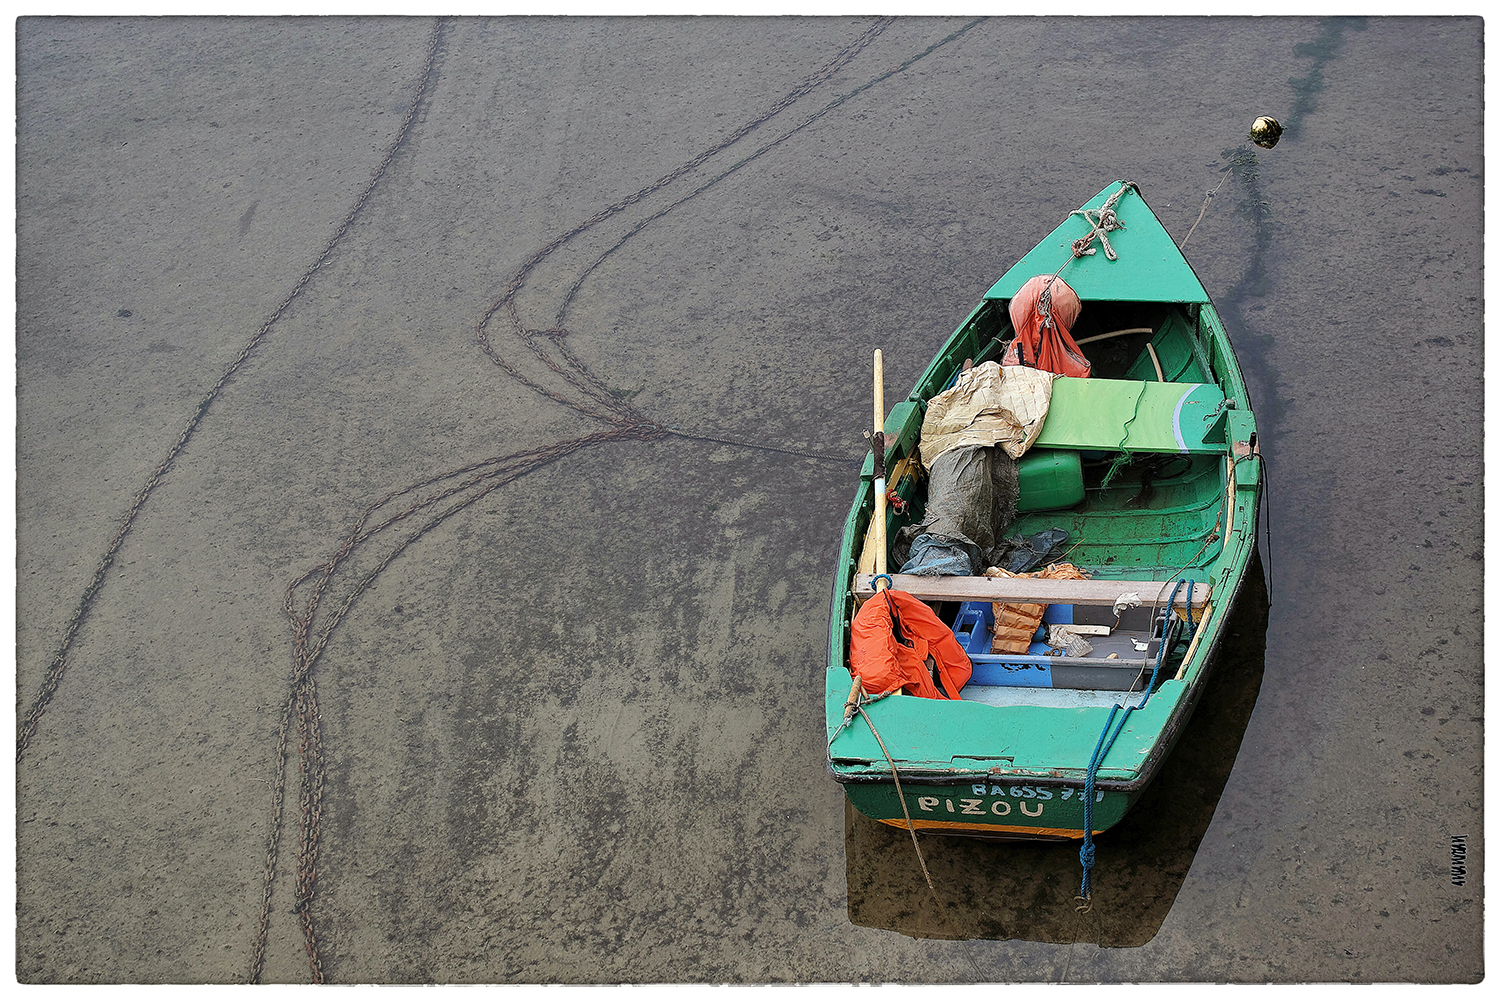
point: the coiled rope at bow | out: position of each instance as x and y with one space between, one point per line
1102 221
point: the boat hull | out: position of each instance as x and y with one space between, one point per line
1005 766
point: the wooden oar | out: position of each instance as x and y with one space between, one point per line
892 482
877 447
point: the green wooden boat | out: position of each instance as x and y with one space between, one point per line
1159 484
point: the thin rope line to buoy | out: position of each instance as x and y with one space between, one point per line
1201 212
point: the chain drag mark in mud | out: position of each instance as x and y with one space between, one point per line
28 728
317 602
429 503
432 501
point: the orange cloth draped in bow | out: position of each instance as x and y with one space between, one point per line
1048 347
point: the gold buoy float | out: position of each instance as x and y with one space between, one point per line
1266 132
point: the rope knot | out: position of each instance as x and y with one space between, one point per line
1101 220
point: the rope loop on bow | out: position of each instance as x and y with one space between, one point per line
1101 220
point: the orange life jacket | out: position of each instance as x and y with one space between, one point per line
888 655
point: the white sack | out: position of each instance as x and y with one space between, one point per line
988 405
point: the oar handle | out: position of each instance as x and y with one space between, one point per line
877 448
851 704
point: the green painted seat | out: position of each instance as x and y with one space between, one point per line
1097 414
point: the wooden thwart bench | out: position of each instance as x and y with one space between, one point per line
1027 590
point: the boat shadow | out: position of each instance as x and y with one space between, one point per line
1026 890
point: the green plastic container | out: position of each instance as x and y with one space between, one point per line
1050 479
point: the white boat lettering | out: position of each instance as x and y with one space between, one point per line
999 807
1024 791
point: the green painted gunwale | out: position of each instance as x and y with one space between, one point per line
947 745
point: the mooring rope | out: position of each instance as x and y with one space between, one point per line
1201 212
912 829
1101 751
844 459
1263 509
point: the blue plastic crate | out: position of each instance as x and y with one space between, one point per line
974 627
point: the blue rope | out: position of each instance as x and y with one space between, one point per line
1102 748
882 576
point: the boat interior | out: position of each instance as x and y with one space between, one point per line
1141 496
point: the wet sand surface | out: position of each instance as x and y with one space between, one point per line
563 723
